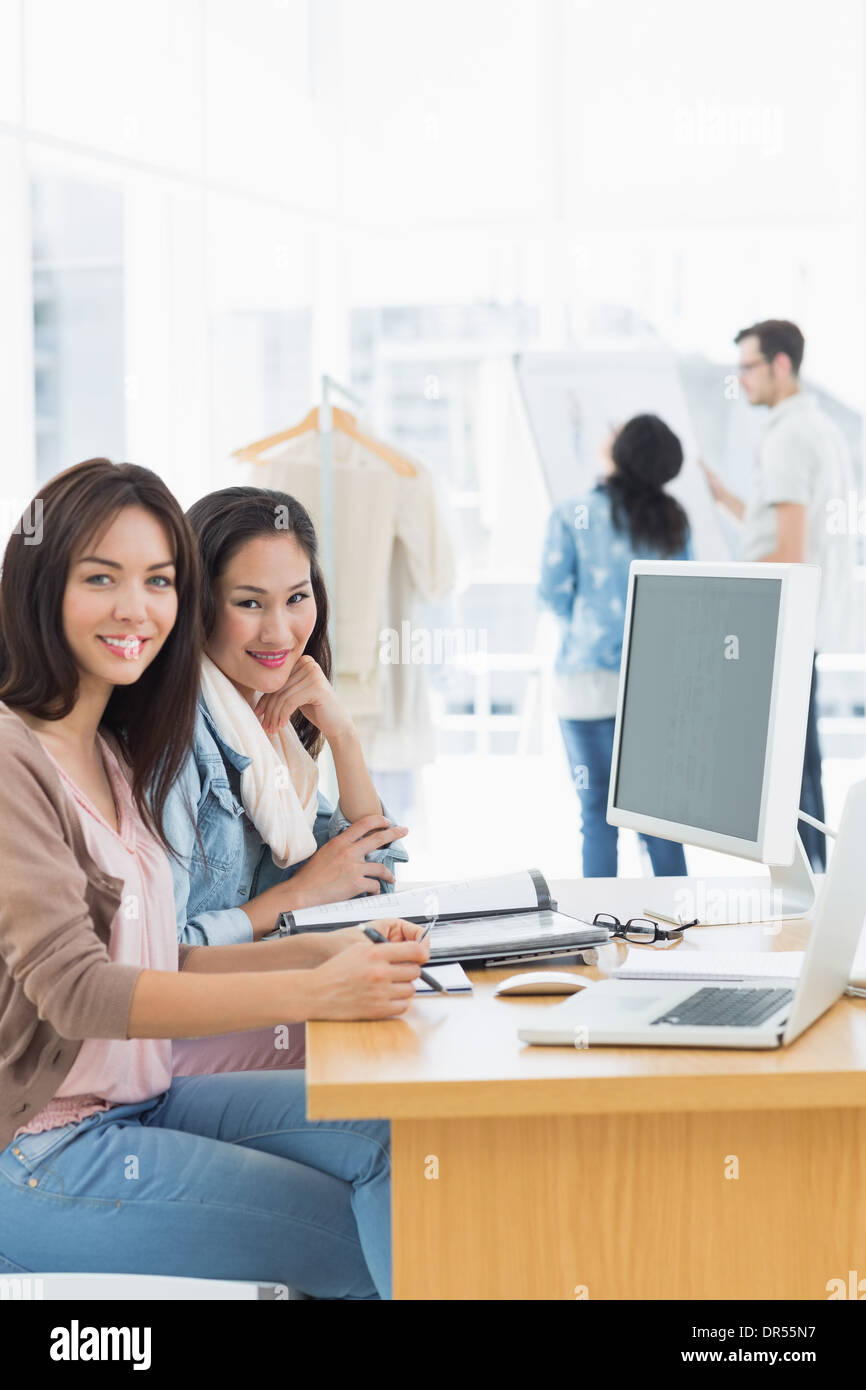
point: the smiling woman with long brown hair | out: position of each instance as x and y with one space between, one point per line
52 592
99 664
253 833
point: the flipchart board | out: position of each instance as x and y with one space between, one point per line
573 398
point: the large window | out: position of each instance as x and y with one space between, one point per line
207 206
78 321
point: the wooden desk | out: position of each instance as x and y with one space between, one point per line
609 1173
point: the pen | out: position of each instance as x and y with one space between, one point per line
427 978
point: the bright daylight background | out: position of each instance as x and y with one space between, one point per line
206 204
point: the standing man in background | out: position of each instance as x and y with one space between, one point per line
803 468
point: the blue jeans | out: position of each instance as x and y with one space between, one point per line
219 1177
589 745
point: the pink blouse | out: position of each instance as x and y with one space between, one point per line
119 1071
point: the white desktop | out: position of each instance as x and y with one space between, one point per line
711 716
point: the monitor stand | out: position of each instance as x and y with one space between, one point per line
790 892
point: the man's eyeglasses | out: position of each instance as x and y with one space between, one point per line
750 366
640 931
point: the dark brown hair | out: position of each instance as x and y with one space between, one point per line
226 520
647 454
775 336
38 672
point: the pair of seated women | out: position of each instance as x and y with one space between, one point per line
164 696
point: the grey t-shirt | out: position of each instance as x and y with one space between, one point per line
803 457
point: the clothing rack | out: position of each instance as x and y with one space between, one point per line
322 418
330 388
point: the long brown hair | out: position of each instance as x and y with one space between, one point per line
224 521
38 672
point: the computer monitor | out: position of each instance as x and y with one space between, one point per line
711 717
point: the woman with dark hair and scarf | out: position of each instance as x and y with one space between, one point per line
253 834
591 541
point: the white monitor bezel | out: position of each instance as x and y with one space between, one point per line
786 732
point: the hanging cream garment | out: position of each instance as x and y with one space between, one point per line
365 491
402 737
391 547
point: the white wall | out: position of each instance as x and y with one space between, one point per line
289 154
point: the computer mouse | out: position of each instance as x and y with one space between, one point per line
542 982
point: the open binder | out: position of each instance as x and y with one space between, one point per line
476 920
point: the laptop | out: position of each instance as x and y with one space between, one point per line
769 1013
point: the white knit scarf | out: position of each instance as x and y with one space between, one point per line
279 788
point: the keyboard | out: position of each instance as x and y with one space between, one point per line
727 1008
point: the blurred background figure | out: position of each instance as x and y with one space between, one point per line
798 511
206 208
590 543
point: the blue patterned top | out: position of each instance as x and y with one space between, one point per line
584 580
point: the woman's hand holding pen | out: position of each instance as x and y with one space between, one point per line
393 928
367 980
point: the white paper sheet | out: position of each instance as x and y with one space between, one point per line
510 891
453 977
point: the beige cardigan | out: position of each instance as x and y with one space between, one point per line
57 984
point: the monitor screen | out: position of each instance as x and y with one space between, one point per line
696 702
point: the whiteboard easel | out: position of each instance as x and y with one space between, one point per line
573 398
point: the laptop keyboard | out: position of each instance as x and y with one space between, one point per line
727 1008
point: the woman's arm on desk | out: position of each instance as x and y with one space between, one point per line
363 981
304 950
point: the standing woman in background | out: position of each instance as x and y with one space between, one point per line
590 543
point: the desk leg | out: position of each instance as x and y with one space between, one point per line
752 1204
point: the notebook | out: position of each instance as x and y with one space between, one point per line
453 977
472 920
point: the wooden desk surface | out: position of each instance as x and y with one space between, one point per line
460 1056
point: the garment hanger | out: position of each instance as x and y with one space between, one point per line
346 424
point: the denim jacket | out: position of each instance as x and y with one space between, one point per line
239 865
584 579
